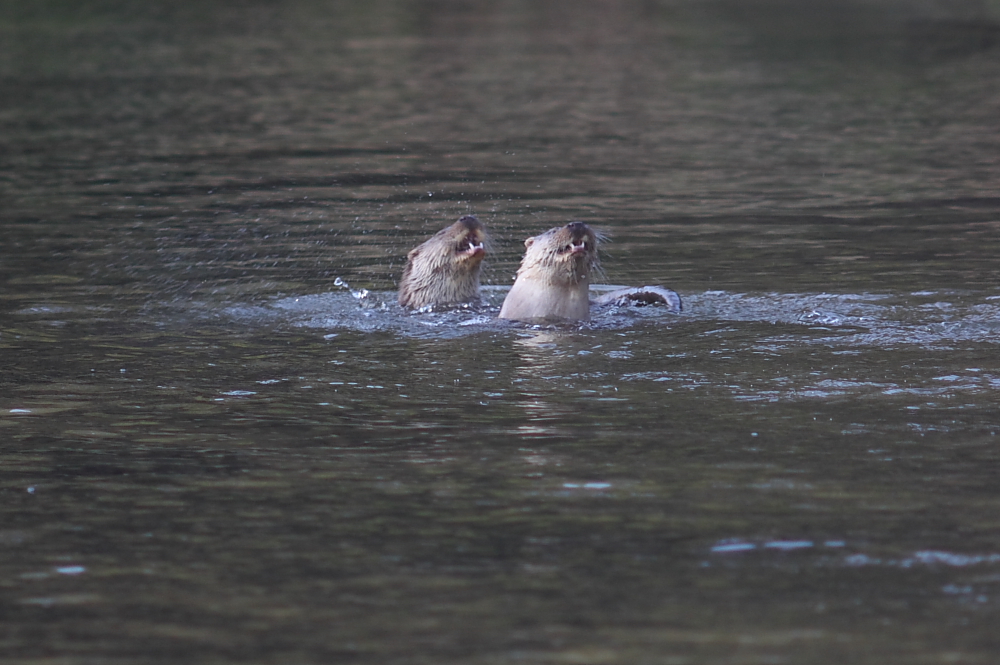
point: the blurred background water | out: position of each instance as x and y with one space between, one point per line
222 441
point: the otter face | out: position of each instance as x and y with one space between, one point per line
580 247
470 246
568 253
445 269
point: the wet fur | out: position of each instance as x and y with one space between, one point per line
445 269
641 296
553 282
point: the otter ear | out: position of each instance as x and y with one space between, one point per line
414 253
529 241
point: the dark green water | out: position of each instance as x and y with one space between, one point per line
211 451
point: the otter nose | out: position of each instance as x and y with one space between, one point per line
577 228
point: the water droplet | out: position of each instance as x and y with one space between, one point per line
70 570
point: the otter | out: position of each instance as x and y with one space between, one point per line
553 282
445 269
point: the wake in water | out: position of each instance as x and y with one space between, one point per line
930 319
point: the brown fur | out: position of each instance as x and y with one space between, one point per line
640 296
445 269
553 282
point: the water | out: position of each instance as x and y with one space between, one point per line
223 441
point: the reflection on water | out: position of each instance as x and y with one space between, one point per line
222 439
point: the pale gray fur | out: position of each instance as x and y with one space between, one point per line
550 285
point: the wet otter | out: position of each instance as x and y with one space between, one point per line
553 282
445 269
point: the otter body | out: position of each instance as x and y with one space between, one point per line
553 282
445 269
640 296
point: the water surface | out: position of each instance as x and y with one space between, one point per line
223 441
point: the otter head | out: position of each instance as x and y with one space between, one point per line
565 254
445 269
553 281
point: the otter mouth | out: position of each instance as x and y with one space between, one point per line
580 239
471 247
577 246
